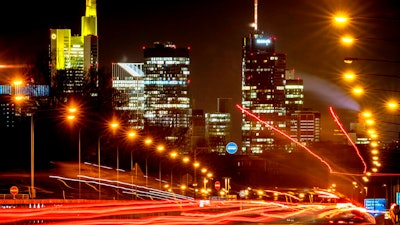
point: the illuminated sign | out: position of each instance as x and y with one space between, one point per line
375 205
263 41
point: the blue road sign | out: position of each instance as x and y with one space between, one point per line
375 206
231 147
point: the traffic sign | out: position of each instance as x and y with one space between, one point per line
14 190
242 193
231 147
217 185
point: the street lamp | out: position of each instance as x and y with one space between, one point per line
160 149
114 126
72 116
195 166
99 166
148 142
132 135
173 155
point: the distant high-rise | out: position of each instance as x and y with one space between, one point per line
294 94
305 126
263 91
219 126
167 101
128 82
74 58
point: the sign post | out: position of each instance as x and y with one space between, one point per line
217 185
14 191
231 147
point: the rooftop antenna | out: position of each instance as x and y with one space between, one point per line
255 15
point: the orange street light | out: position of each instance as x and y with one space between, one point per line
17 82
148 141
340 19
71 116
349 76
348 40
358 90
392 105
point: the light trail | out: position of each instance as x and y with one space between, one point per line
168 212
131 188
14 66
285 135
337 121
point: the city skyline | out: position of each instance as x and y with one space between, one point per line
214 31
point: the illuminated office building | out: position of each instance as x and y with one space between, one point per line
128 82
8 110
198 132
218 126
305 126
167 101
294 95
263 92
9 107
74 58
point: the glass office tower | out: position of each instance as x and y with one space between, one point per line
167 101
263 92
129 97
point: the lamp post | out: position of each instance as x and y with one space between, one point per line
72 116
195 166
99 166
132 135
160 149
114 126
18 98
173 155
33 191
148 142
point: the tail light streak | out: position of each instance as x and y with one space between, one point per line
337 121
285 135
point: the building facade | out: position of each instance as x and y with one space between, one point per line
263 92
219 126
305 126
167 101
74 58
294 95
128 99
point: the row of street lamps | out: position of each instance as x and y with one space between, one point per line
367 117
131 134
72 114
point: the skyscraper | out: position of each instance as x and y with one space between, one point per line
305 126
167 101
263 90
219 125
74 58
129 97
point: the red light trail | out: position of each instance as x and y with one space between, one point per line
285 135
337 121
162 212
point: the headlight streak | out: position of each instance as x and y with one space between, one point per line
337 121
283 193
285 135
148 192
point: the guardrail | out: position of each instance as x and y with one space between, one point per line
17 196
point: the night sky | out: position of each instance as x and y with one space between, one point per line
214 31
